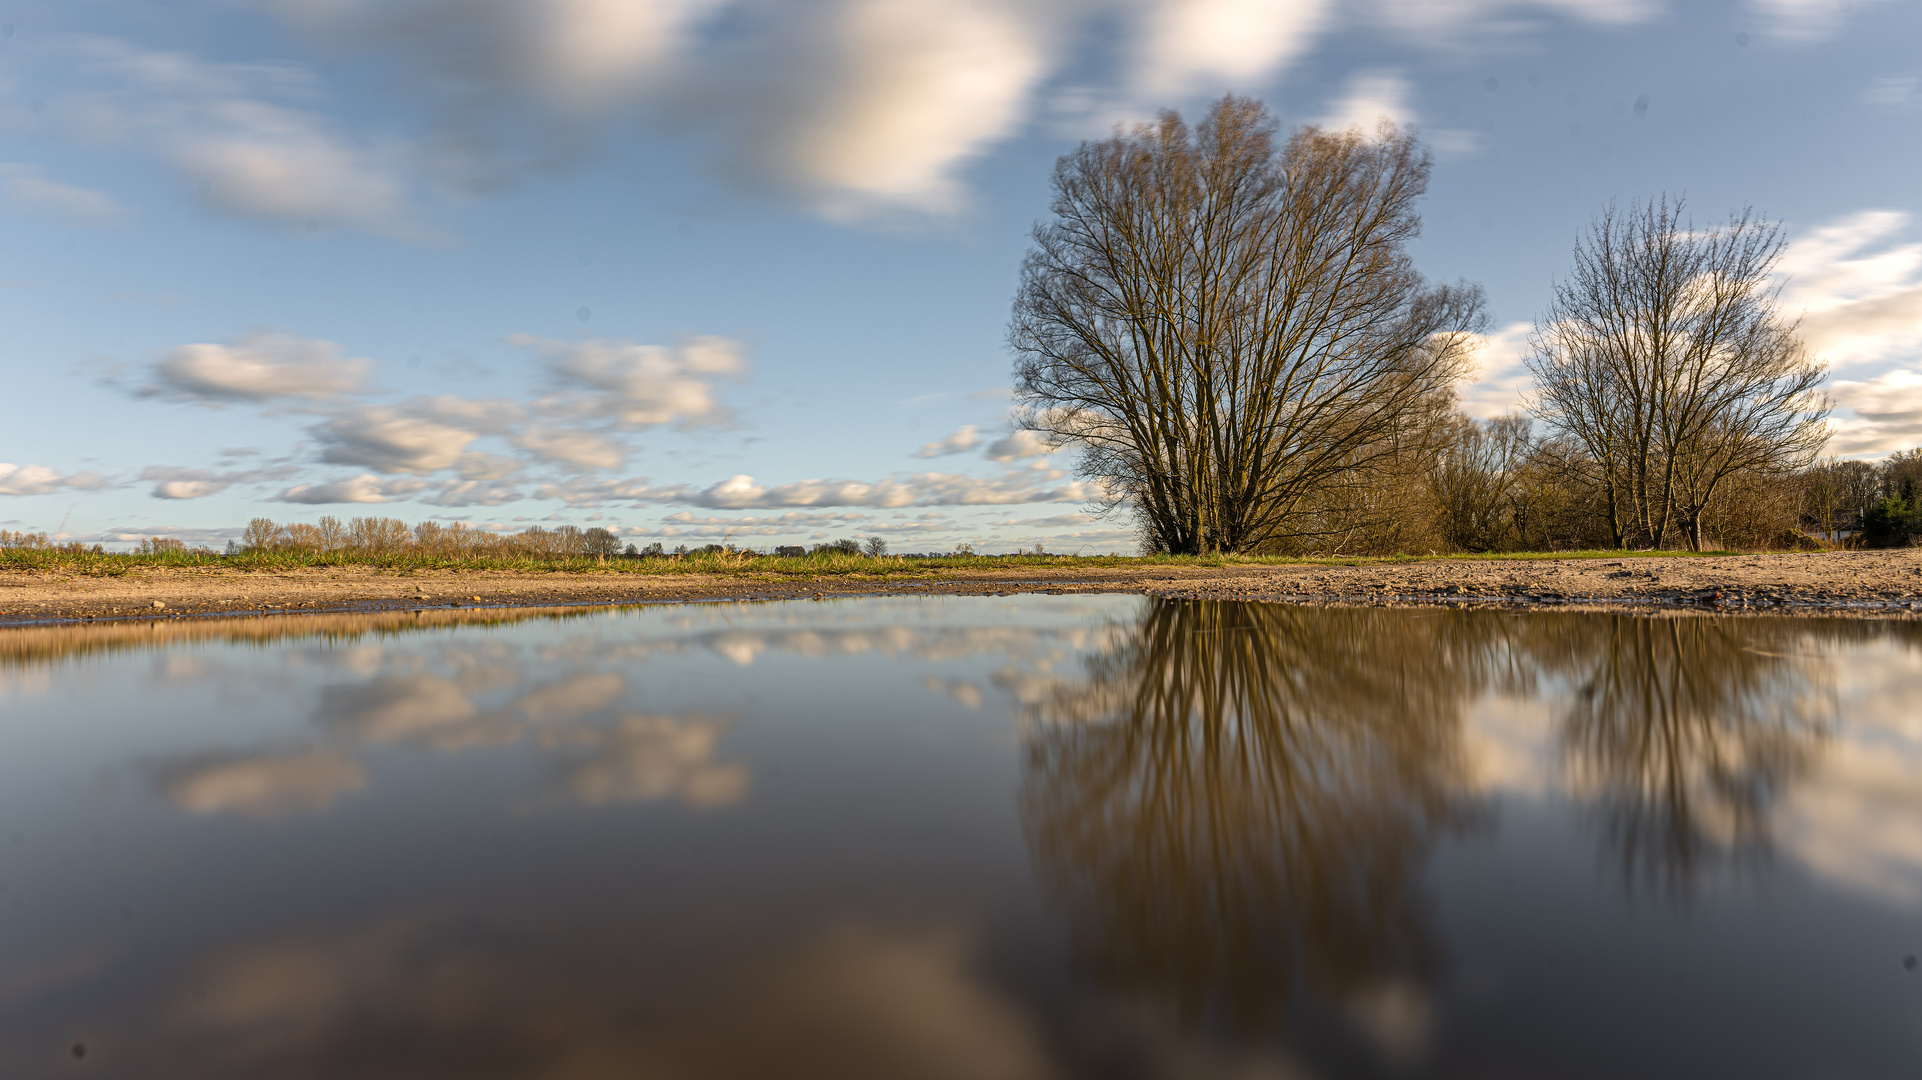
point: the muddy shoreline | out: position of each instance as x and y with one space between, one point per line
1868 583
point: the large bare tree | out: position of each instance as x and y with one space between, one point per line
1665 356
1229 325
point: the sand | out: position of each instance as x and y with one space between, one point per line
1860 582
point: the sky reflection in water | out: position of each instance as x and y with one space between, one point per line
962 837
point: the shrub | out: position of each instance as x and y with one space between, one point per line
1893 522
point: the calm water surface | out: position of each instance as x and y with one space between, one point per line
1015 837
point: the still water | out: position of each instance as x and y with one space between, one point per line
1016 837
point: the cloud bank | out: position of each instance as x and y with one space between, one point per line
851 108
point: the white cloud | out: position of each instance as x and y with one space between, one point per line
490 416
277 165
1183 45
1456 25
922 489
880 102
1369 98
1057 521
638 385
473 493
188 489
583 493
1018 446
227 128
852 107
30 190
741 492
1806 20
365 488
573 54
918 489
965 438
1501 382
684 524
178 483
1886 414
189 536
388 439
256 368
475 465
572 446
1860 290
41 480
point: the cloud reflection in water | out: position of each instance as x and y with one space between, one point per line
423 999
1246 819
261 786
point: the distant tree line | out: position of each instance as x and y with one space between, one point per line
1879 502
391 536
33 541
1228 326
384 536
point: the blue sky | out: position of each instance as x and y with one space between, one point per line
703 268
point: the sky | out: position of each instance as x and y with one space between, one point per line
741 270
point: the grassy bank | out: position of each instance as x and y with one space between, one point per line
837 564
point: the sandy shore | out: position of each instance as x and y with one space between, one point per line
1884 582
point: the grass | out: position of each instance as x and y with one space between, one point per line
115 564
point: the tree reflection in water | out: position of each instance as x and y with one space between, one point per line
1236 801
1239 796
1685 733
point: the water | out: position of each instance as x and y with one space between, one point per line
1032 836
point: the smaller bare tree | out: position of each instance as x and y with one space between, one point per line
1665 356
1474 480
261 535
600 542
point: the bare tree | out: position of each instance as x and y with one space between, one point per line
601 542
1227 326
378 535
1474 479
261 534
1663 354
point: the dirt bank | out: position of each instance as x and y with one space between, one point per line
1867 581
